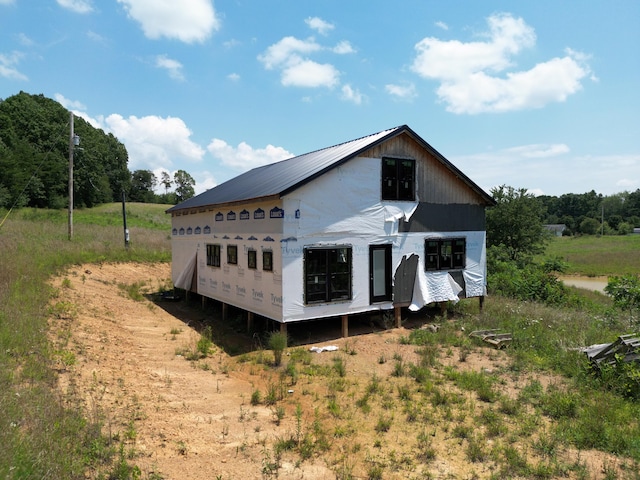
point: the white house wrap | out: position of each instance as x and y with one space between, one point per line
372 224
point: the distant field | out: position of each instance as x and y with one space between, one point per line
595 256
142 215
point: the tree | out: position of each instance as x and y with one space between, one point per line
625 291
590 226
514 224
34 156
142 184
166 181
184 185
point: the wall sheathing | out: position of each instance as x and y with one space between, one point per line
341 207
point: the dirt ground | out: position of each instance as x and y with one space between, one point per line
186 419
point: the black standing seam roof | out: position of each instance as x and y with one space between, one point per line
285 176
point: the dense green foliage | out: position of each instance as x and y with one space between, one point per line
34 157
34 161
590 213
625 291
514 224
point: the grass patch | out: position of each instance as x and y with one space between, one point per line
42 437
597 256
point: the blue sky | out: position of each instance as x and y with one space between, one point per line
541 94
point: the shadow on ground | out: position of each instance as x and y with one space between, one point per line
234 338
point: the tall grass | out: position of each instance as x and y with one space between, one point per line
595 255
43 435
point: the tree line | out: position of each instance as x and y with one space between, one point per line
34 150
592 213
34 161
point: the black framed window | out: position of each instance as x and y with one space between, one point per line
232 254
327 273
267 260
252 259
398 179
213 255
445 253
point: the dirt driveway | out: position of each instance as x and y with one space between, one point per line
126 356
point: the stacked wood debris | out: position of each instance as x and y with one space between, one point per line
625 349
493 337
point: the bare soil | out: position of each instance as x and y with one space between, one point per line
127 359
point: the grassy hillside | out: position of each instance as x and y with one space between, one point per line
42 435
594 255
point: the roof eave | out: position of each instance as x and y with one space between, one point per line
227 204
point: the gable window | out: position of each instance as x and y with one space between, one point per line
445 253
213 255
232 254
398 179
327 273
252 259
267 260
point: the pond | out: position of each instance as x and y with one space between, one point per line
596 284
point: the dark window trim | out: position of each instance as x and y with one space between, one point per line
232 254
398 183
449 253
252 259
329 279
213 254
267 266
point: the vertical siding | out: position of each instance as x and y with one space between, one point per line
436 183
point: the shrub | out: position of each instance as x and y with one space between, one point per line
277 342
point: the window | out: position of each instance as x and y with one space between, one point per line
327 274
398 179
267 260
232 254
252 259
445 253
213 255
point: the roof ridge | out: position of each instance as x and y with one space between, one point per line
347 142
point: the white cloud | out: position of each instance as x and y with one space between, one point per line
467 71
73 105
189 22
244 157
343 47
551 170
307 73
538 150
351 95
442 25
77 6
231 43
173 67
234 77
25 40
316 23
287 51
154 142
404 92
290 56
8 66
7 2
96 37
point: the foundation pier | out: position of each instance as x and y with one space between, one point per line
345 326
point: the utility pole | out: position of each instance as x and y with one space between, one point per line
71 141
124 221
74 140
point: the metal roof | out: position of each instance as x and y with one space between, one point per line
280 178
